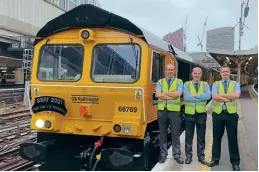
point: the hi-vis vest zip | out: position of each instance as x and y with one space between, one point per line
192 107
171 105
231 106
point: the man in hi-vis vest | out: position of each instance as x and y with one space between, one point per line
168 92
225 94
195 94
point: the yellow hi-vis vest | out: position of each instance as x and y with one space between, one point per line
231 106
173 104
192 107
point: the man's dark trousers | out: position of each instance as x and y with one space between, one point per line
231 123
166 118
198 119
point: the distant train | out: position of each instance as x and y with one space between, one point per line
7 79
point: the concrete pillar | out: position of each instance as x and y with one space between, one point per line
26 98
19 76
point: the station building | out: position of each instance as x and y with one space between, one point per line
20 21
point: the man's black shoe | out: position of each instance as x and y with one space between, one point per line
188 160
236 168
203 161
213 163
179 160
162 159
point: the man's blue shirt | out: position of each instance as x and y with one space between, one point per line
198 97
179 87
215 89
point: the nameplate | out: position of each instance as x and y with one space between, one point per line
49 103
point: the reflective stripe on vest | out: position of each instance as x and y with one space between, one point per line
171 105
231 106
192 107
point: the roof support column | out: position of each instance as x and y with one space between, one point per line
239 61
239 72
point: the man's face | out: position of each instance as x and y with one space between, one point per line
225 73
170 71
196 74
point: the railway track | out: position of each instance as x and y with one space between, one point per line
18 164
14 129
11 161
9 96
15 113
14 123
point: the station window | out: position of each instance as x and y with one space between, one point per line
118 63
158 67
60 63
82 2
72 4
62 3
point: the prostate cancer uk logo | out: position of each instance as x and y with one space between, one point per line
49 103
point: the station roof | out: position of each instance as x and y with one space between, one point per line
205 58
236 55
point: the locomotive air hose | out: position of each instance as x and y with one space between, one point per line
91 158
95 164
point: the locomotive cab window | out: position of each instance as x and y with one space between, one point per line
158 67
60 63
118 63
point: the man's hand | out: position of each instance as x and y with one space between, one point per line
220 98
162 95
175 94
231 96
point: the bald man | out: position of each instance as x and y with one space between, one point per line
168 92
196 93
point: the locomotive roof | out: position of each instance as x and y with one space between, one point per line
90 16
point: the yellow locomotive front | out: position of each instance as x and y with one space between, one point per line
89 82
91 94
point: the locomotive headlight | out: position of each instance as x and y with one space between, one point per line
126 128
85 34
39 123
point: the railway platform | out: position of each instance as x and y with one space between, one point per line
247 137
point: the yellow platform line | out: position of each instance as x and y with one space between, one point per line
208 154
252 98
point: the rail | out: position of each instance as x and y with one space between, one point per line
11 99
256 88
14 130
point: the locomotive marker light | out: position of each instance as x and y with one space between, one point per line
47 124
117 128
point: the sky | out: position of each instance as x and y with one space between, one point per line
163 16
